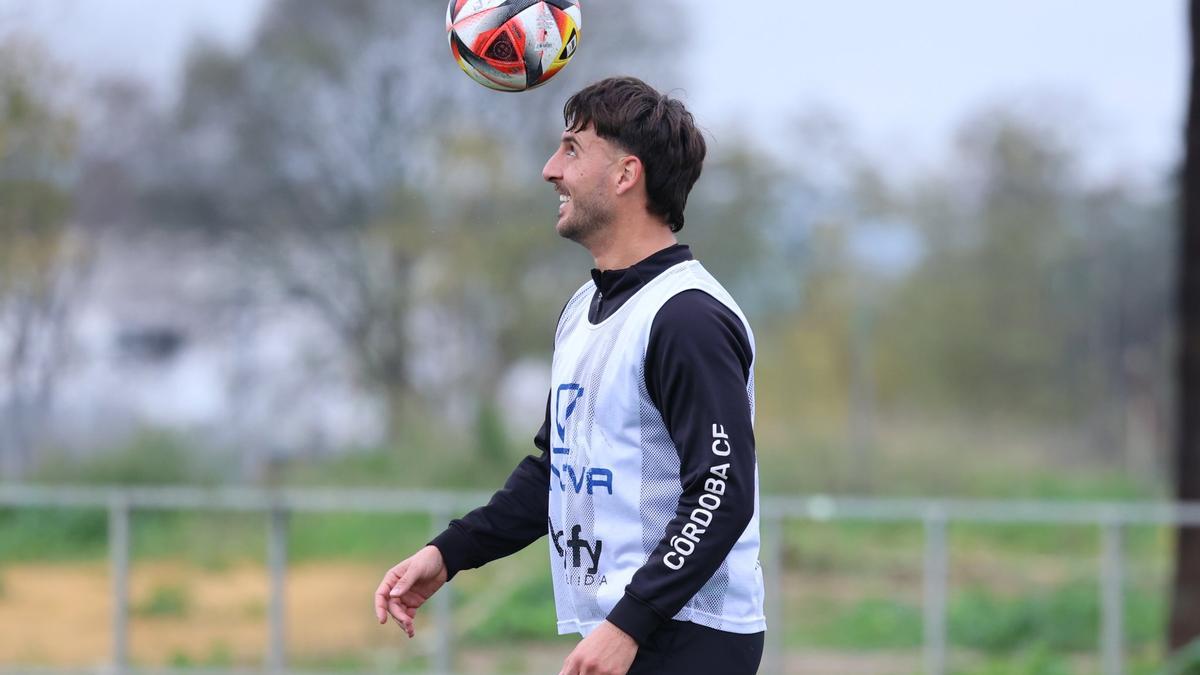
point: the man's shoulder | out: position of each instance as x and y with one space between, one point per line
695 310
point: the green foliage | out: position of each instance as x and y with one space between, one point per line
422 460
1073 485
379 467
491 439
153 458
846 547
1034 632
37 139
939 457
981 621
220 655
1186 661
1064 619
1146 614
1024 538
404 660
172 601
33 213
1039 659
1057 265
213 540
526 613
350 662
423 456
356 536
37 534
872 623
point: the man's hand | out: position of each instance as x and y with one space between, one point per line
408 585
607 651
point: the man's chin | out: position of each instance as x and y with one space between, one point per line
580 230
567 230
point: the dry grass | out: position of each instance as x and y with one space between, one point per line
60 615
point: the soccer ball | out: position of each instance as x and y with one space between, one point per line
513 45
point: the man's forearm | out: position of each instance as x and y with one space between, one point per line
509 522
514 517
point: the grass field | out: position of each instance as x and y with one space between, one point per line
1024 599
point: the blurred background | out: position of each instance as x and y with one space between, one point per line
289 243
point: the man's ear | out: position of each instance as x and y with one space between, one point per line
631 172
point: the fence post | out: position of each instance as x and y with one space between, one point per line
1112 589
935 592
118 562
277 549
772 542
443 618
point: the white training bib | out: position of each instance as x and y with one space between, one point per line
614 481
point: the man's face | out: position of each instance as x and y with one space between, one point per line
581 171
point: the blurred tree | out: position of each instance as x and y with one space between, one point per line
992 269
1185 599
362 174
38 256
1038 297
733 221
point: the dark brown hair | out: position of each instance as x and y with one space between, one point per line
658 129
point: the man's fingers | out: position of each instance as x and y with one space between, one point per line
402 615
406 609
410 599
381 593
381 605
381 600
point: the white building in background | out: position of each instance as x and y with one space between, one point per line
170 333
165 335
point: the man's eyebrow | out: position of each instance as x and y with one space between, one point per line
569 137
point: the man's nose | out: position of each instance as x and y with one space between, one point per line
550 171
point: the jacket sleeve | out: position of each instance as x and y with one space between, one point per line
514 517
698 362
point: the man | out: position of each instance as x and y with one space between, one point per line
647 449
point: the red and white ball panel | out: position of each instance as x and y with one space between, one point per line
513 45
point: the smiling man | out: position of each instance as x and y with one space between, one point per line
647 482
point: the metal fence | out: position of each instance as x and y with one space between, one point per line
278 505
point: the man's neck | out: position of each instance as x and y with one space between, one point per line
630 244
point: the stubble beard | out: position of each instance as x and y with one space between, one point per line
588 219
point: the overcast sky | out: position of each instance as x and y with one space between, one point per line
902 73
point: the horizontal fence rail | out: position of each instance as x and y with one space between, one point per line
278 504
